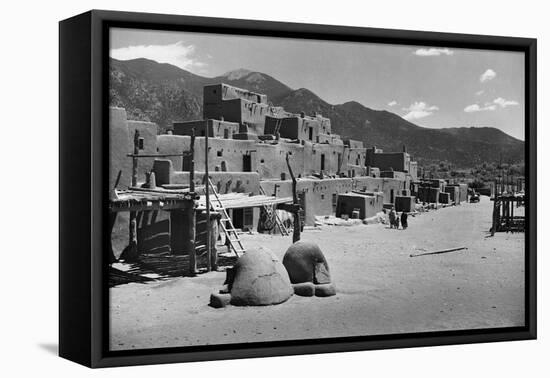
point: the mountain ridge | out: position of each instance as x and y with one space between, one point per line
163 93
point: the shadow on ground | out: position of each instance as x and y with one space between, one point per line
162 266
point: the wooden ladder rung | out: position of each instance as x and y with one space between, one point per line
227 225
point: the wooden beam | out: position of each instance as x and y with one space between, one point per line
153 205
136 155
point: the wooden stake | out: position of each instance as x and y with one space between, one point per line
190 242
191 218
192 165
132 239
297 221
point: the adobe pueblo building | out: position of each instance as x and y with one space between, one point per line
244 142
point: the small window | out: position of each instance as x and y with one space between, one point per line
220 153
262 161
141 142
322 196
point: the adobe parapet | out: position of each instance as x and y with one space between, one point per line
216 93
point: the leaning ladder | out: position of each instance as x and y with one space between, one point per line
278 124
273 214
226 224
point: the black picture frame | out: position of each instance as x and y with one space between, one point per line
83 140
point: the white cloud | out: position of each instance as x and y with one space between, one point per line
392 103
178 54
505 103
419 109
476 108
490 106
479 93
487 75
433 52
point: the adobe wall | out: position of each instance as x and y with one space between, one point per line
224 154
351 143
368 205
398 161
216 128
225 182
272 159
121 143
318 195
119 147
216 93
266 159
380 184
243 111
148 131
173 144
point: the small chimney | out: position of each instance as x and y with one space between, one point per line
404 148
302 114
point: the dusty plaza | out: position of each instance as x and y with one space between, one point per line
380 289
244 211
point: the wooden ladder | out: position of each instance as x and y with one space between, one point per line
271 213
226 224
278 124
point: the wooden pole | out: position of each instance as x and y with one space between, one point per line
439 252
192 165
495 215
191 218
132 253
207 195
297 221
135 159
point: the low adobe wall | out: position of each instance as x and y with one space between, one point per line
368 205
318 197
391 187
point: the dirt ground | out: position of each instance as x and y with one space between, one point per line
380 288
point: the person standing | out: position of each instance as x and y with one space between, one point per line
393 217
404 221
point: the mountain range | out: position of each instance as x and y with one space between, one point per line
163 93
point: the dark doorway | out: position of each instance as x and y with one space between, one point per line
247 163
243 218
322 162
311 133
392 196
238 218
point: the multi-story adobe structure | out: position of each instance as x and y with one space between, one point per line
247 148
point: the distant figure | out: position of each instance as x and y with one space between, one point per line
393 218
404 222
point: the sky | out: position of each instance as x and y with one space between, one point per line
430 86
